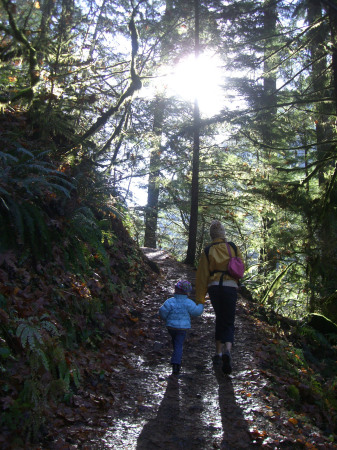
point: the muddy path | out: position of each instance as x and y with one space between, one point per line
201 408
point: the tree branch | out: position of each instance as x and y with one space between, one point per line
134 86
18 35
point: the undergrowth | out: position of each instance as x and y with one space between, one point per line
301 363
67 267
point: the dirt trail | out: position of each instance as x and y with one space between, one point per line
202 408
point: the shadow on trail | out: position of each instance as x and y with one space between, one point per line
235 430
186 420
160 431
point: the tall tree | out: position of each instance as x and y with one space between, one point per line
268 116
151 210
193 223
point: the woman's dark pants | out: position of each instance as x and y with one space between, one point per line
223 299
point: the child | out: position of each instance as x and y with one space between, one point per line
177 312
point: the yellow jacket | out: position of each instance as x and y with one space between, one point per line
218 259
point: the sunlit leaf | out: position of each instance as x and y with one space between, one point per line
293 421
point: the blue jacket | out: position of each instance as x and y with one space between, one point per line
177 311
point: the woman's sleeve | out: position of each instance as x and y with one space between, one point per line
202 276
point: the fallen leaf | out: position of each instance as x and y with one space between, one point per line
293 420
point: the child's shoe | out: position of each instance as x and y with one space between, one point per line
175 369
226 363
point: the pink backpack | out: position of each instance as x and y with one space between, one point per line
235 267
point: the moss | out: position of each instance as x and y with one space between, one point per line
294 393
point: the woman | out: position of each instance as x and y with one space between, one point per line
212 277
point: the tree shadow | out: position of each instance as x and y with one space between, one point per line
235 429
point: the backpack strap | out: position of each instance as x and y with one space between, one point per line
207 249
234 247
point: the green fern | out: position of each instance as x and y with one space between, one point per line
32 190
8 157
275 284
28 335
46 353
11 220
75 374
75 255
36 229
25 180
48 326
31 338
37 359
24 151
86 229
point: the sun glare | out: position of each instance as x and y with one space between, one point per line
202 79
199 78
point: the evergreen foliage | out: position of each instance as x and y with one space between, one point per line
269 162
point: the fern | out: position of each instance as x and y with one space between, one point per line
44 353
36 167
75 256
56 389
42 357
275 283
14 220
48 326
30 392
7 157
36 226
24 183
3 191
85 228
28 335
32 190
24 151
76 377
60 188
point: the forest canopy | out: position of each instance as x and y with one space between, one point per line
92 125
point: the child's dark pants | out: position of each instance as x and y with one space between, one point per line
178 337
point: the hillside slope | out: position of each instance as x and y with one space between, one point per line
61 331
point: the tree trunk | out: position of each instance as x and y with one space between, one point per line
319 81
193 225
151 211
267 254
333 31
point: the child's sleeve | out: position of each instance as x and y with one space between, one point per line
195 309
164 310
